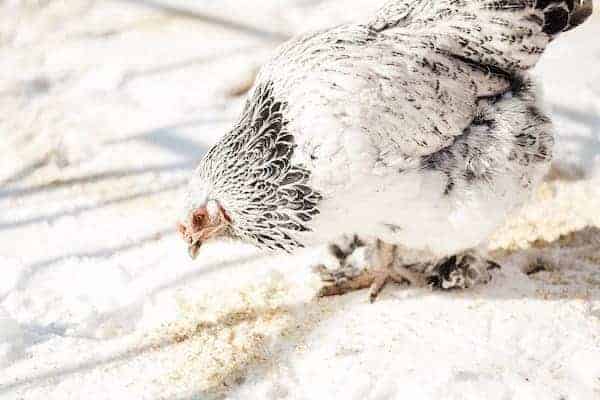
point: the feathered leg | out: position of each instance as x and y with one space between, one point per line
460 271
362 268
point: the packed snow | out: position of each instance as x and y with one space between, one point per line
108 105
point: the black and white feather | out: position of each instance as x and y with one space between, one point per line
419 126
250 173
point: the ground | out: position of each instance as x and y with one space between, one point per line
107 106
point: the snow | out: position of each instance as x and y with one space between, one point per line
108 105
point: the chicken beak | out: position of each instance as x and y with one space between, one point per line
193 250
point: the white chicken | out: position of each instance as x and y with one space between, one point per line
416 131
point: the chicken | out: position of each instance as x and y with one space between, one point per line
403 141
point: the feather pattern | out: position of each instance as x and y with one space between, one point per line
251 173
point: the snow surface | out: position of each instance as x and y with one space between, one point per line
107 106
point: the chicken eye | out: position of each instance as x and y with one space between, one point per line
198 220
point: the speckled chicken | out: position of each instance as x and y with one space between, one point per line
403 141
